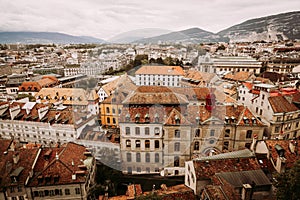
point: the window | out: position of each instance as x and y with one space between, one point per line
148 169
156 157
176 161
14 198
108 120
128 156
137 144
156 131
197 132
147 157
156 144
127 130
137 130
67 191
147 144
107 109
225 145
114 120
128 143
113 111
21 198
177 146
212 133
277 129
248 145
227 133
138 157
138 169
249 134
177 133
196 146
147 131
129 170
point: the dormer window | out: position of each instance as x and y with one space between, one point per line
246 120
253 120
177 119
127 118
227 120
197 120
156 118
137 118
233 120
147 118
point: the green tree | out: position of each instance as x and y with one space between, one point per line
288 183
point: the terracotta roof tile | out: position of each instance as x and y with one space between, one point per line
161 70
280 104
291 158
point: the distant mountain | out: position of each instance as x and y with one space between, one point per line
275 27
192 35
45 38
138 34
271 28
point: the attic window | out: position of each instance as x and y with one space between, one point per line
137 118
147 118
177 119
253 120
56 178
47 179
246 120
127 118
156 118
233 120
197 120
227 120
40 179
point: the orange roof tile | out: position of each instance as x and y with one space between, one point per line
161 70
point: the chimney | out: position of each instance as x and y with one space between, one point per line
292 146
254 141
246 192
16 157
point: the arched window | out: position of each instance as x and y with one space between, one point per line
108 120
107 109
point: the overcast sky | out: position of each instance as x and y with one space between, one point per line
107 18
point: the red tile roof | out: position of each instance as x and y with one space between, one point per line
280 104
161 70
60 164
291 158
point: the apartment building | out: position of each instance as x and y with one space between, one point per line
159 75
42 123
37 172
278 108
141 124
189 129
223 64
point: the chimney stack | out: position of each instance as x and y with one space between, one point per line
246 192
16 157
